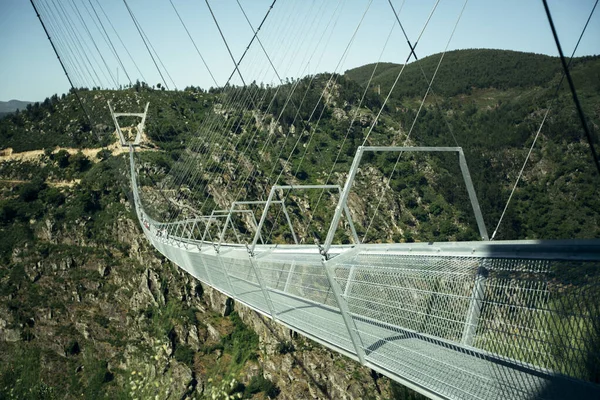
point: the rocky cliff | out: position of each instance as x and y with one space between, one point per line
88 308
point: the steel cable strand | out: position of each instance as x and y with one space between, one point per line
60 60
330 84
555 97
423 73
295 84
145 44
121 41
64 51
156 53
294 87
251 141
254 169
229 153
74 44
194 43
288 98
71 23
108 39
83 22
305 123
580 113
420 107
80 44
67 54
354 116
241 89
249 121
93 42
226 131
248 98
85 110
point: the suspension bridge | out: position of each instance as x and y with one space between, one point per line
487 319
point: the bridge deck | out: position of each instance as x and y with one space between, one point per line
439 367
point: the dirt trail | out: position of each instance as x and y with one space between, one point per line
58 184
91 153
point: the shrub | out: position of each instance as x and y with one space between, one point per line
185 354
62 158
285 347
261 384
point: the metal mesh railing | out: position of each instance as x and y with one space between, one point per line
475 320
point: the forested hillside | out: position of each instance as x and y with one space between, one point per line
88 309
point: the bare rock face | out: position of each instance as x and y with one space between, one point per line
7 334
218 302
302 368
155 331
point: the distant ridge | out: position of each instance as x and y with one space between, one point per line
13 105
463 70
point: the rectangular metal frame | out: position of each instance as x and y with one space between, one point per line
238 203
354 169
270 201
139 127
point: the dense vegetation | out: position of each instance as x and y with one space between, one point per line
489 102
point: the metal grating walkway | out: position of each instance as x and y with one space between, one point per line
471 320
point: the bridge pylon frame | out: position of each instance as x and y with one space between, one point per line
343 201
139 127
270 201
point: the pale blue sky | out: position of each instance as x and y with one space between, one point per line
30 71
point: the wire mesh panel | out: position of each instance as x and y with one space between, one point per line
302 297
217 274
478 327
422 293
243 279
544 313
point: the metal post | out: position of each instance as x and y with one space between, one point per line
210 281
351 224
227 221
255 222
343 199
119 132
477 298
263 288
350 281
138 137
263 217
343 306
289 277
289 221
208 224
472 196
234 295
192 230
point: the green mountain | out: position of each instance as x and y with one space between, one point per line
13 105
88 309
7 107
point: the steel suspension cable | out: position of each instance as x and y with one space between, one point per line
194 43
412 49
420 107
62 64
145 44
555 97
74 5
354 116
107 38
580 112
121 41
